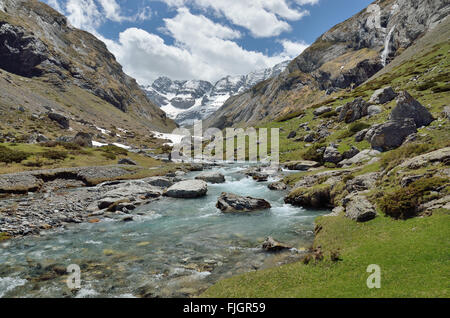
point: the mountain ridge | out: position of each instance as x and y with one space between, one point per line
189 100
342 58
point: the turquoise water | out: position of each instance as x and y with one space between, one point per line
176 248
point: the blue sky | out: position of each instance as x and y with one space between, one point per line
205 39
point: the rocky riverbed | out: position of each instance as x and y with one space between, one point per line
133 238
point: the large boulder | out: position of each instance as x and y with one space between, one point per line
409 108
350 153
392 134
360 158
302 165
358 208
373 110
187 189
354 110
232 203
211 177
260 177
361 135
62 120
383 95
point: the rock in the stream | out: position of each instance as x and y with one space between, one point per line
409 108
232 203
188 189
211 177
277 186
270 245
358 208
383 95
260 177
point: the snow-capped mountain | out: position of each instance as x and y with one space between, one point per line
187 101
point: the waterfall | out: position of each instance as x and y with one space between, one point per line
386 50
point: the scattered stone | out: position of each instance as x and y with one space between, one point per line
362 182
322 110
354 110
292 135
232 203
409 108
350 153
187 189
127 161
383 95
373 110
446 112
358 208
211 177
270 245
332 155
37 138
62 120
361 135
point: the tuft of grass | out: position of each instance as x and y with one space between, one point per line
402 203
8 155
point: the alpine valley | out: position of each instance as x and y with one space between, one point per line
358 205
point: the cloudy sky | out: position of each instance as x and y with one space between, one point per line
205 39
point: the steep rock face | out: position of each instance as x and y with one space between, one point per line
344 57
187 101
36 41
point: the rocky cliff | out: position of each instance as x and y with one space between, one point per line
342 58
187 101
67 70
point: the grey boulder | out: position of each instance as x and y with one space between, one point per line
354 110
211 177
358 208
188 189
392 134
409 108
383 95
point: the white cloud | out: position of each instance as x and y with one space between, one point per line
55 5
84 14
203 50
263 18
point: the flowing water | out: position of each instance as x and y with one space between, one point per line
177 248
